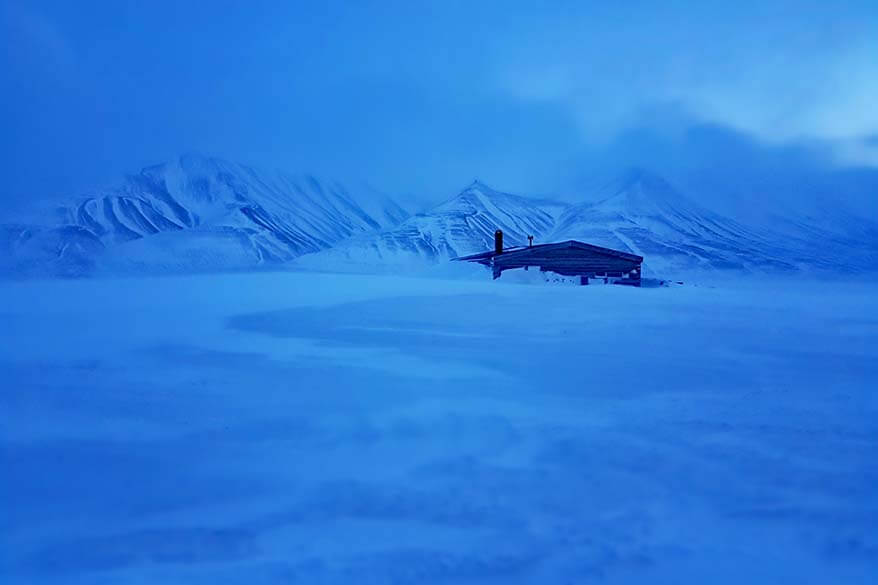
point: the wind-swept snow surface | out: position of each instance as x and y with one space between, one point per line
292 428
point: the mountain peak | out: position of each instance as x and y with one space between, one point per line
478 185
640 189
188 163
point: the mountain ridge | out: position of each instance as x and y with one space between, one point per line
638 212
461 225
201 213
255 217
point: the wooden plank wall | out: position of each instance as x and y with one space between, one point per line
566 262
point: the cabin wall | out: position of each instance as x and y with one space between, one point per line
567 263
568 259
572 262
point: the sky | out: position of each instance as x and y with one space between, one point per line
420 98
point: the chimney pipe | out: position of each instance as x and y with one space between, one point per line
498 242
530 241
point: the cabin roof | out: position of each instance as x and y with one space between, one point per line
523 252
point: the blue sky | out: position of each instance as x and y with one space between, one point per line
422 97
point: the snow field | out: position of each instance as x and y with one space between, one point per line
321 428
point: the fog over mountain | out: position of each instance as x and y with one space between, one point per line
734 173
422 100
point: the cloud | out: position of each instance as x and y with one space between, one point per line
732 171
425 97
775 73
858 151
808 96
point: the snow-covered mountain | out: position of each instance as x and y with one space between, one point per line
198 213
831 232
462 225
638 212
641 213
195 213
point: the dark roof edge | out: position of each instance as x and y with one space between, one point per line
489 253
564 244
601 249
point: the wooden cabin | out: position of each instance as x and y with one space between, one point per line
570 258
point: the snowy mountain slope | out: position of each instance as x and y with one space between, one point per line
462 225
831 231
204 214
210 214
640 212
378 205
